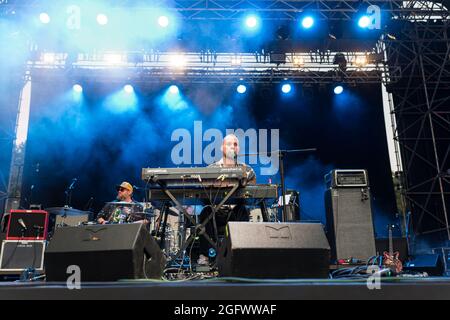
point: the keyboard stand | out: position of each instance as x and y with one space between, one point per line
199 228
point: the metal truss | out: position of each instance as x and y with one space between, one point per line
7 126
422 110
267 9
210 67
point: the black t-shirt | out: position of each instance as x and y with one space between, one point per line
121 212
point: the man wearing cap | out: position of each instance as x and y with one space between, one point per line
124 209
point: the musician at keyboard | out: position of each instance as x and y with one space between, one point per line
230 151
238 212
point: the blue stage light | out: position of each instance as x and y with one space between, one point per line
44 17
128 88
338 90
173 89
286 88
102 19
308 22
364 22
241 89
77 88
251 22
163 21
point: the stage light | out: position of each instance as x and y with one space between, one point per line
361 61
163 21
241 89
48 58
102 19
173 89
298 61
113 58
236 61
338 89
308 22
251 22
44 17
128 88
178 61
77 88
364 22
286 88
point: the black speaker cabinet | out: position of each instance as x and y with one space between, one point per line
349 223
17 256
274 250
429 263
104 253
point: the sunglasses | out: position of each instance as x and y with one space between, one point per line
121 189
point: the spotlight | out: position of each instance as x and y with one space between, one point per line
298 61
173 89
128 88
163 21
364 22
361 61
178 61
77 88
44 17
338 89
241 89
236 61
251 22
113 58
48 58
102 19
286 88
308 22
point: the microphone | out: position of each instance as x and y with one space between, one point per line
72 185
20 221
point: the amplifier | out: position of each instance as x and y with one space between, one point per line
348 208
444 253
17 256
27 225
429 263
341 178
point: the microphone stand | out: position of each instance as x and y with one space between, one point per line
281 156
69 193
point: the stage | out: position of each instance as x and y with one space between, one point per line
228 289
191 141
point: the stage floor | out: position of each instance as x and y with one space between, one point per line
217 289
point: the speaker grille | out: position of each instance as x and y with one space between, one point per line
349 223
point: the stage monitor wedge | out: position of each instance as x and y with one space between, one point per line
274 251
